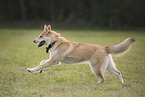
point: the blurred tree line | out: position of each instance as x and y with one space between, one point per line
104 13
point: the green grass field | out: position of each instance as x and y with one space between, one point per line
18 52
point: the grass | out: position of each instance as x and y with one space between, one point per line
18 52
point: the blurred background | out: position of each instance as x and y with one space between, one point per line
73 13
102 22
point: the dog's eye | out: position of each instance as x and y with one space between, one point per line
40 36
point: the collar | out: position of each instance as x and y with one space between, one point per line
50 46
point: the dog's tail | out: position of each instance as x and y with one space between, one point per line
121 48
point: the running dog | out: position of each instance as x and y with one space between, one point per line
62 50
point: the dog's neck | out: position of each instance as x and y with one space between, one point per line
50 45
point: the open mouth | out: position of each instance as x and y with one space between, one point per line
41 43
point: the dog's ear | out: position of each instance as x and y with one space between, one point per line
49 27
45 28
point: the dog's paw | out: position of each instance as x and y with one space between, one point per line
40 71
122 82
100 81
28 69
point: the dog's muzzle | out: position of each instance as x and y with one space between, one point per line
41 43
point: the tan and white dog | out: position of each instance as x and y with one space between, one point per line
62 50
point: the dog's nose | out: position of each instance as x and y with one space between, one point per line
34 41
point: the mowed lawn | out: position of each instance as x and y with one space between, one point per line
18 52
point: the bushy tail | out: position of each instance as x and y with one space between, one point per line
120 48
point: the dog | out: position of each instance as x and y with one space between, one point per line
62 50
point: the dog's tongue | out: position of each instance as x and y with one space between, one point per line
41 43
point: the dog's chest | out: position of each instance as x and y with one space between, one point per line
52 53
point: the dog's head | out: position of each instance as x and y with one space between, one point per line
47 36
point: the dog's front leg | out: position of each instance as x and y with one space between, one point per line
42 62
50 62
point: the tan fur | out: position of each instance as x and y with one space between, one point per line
120 48
96 56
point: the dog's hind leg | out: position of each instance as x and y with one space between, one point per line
112 68
99 68
98 74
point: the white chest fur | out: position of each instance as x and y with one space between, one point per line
52 53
